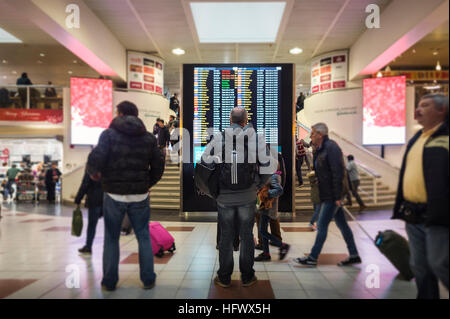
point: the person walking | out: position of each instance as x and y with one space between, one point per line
315 199
354 183
268 210
163 137
128 163
51 178
423 195
301 156
238 184
11 175
94 203
331 175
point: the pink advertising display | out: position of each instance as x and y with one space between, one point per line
91 109
384 106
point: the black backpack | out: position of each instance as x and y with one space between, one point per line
236 176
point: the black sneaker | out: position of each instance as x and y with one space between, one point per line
259 247
147 287
263 257
108 288
350 261
251 282
85 251
284 250
220 283
307 261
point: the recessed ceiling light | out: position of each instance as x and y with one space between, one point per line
4 76
4 61
178 51
379 74
438 66
435 52
295 50
70 72
414 51
237 22
42 54
75 61
14 72
6 37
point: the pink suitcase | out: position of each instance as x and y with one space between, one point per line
161 239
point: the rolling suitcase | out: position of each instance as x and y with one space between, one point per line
393 246
161 239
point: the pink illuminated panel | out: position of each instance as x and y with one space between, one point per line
91 109
384 110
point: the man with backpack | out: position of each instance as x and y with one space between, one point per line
242 172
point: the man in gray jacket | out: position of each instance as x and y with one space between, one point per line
242 172
354 183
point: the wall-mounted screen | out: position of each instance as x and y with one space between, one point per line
91 109
209 94
384 119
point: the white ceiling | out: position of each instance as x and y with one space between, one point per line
158 26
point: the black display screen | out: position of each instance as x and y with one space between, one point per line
209 94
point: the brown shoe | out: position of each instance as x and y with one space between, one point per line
361 208
251 282
220 283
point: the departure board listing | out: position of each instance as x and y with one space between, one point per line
217 90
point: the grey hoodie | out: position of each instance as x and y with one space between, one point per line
242 197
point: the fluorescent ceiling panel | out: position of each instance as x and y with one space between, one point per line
237 22
6 37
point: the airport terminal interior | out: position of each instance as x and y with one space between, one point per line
359 66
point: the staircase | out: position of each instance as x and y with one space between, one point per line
165 195
385 197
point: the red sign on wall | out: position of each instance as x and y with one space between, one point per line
50 116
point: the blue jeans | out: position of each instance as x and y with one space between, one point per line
94 214
139 215
264 221
328 210
315 214
245 219
429 258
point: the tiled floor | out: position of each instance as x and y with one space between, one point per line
39 259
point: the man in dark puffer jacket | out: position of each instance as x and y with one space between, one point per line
128 163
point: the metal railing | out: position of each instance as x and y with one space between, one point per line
374 175
31 96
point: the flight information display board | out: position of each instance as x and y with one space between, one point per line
210 92
217 90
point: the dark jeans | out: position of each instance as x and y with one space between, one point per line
354 191
429 258
274 228
316 213
245 216
264 221
236 235
9 190
298 168
139 214
94 214
51 188
328 210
